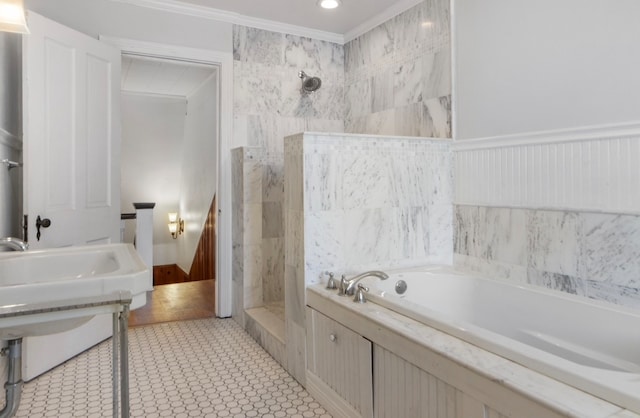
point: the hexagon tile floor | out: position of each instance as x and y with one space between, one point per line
201 368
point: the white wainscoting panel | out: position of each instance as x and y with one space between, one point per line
339 361
596 170
402 389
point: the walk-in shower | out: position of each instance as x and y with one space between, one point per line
309 84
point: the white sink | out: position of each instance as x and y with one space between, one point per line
61 277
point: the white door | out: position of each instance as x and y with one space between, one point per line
72 136
71 148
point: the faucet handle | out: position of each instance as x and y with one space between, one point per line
331 283
342 287
359 297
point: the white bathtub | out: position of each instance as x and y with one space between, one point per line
590 345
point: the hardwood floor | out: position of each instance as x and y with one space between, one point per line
176 302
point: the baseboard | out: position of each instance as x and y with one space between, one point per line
169 274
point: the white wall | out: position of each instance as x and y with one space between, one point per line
10 133
198 180
112 18
152 148
523 66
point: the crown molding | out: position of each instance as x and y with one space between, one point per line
391 12
176 6
586 133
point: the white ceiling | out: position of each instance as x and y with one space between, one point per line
155 76
305 13
298 17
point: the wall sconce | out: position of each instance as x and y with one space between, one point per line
12 17
176 225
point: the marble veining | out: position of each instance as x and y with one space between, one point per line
358 99
268 106
256 45
439 230
272 220
273 270
553 239
397 65
611 249
252 276
557 281
437 117
438 77
407 83
618 294
382 94
318 58
365 181
370 201
323 176
590 254
272 181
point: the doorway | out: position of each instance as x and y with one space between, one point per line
170 117
224 61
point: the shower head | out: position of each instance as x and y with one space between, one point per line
309 84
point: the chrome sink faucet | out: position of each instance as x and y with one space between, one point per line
347 286
14 243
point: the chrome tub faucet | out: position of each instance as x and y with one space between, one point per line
347 286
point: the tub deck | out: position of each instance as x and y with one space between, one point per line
476 371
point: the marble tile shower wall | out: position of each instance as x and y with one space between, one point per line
596 255
246 168
398 75
268 106
358 202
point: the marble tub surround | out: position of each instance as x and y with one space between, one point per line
398 75
476 379
367 201
359 202
596 255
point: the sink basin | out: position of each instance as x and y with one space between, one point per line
62 277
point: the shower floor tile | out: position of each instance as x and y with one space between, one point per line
200 368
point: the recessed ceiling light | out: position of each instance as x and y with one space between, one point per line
329 4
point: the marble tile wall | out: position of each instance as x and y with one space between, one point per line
268 106
360 202
247 170
398 75
596 255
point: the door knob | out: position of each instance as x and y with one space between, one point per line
44 223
